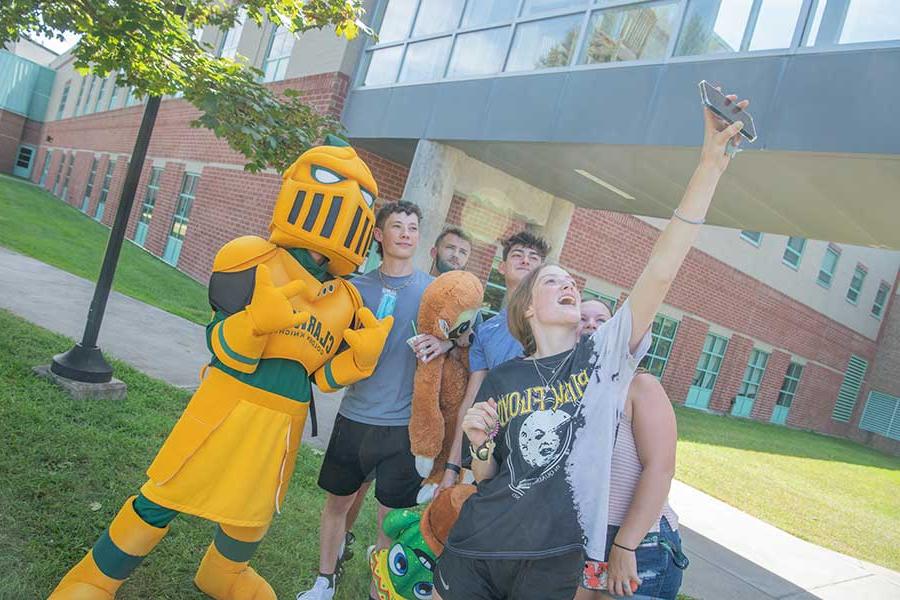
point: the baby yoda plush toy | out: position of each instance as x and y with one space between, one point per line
403 571
447 311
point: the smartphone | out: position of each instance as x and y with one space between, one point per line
724 108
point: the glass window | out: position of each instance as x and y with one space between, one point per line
754 237
713 26
544 44
775 24
753 375
479 52
112 96
609 300
710 362
396 22
870 21
62 100
880 299
89 188
231 39
46 169
484 13
789 385
532 7
65 186
78 99
663 336
425 60
59 170
829 263
856 284
816 23
104 190
150 196
793 251
630 33
494 290
99 96
279 54
437 16
87 98
383 65
185 203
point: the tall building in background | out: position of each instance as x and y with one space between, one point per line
499 116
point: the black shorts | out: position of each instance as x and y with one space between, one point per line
555 578
356 450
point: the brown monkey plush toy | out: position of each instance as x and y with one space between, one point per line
447 311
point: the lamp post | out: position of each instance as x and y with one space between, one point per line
84 361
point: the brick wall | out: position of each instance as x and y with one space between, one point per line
770 386
390 176
487 226
11 127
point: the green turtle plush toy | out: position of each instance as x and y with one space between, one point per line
403 571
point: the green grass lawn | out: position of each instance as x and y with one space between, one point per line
831 492
39 225
67 467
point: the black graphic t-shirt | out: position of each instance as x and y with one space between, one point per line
527 510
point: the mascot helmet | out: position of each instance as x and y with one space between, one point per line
326 205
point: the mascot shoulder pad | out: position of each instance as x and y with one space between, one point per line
355 296
243 253
234 272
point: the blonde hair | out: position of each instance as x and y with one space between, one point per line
519 303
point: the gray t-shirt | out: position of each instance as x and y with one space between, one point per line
385 398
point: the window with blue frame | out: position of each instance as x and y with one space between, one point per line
856 284
880 299
62 100
663 337
829 265
530 35
754 237
793 251
180 219
281 44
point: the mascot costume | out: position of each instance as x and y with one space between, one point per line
447 311
405 571
284 318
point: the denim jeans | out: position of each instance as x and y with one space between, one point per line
660 561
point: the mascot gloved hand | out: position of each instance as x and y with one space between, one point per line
448 310
283 318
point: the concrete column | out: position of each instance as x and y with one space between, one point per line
430 184
556 228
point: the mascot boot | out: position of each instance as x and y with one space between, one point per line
224 573
116 554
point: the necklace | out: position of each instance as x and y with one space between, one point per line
384 284
554 373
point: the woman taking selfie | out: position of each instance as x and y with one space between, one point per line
541 504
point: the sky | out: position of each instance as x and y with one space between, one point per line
56 45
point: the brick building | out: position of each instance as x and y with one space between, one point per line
770 326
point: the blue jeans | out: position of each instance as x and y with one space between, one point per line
660 561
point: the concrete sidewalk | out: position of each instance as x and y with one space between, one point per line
734 556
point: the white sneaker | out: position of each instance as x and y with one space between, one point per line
320 590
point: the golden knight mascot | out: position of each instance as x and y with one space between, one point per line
284 318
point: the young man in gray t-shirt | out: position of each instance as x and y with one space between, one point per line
371 433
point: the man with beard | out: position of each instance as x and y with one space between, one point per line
451 251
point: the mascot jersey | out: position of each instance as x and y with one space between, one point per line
283 319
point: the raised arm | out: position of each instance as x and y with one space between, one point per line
679 235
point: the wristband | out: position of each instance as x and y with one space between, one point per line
451 467
617 545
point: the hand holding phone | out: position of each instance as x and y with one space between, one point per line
725 109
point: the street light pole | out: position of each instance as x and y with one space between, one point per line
84 362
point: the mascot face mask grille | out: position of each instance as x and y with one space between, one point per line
325 205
